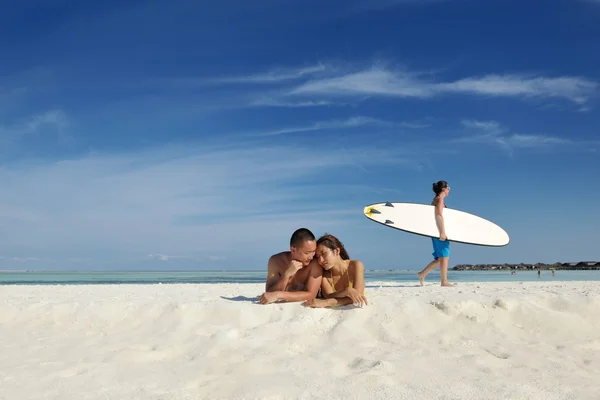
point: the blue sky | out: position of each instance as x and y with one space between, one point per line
183 135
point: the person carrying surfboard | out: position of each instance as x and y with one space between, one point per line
441 246
343 279
294 275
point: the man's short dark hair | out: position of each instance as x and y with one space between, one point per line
300 236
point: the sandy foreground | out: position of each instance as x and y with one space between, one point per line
532 340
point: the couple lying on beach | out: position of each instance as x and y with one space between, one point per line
317 272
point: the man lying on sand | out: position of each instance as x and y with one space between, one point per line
294 275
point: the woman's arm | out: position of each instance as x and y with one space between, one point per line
328 292
318 303
355 293
359 276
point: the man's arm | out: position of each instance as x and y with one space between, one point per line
312 286
275 280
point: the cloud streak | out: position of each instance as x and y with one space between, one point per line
353 122
575 89
384 82
168 257
56 119
274 102
194 202
493 133
36 133
273 76
328 84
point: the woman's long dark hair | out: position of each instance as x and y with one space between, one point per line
332 243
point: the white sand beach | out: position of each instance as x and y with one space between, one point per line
533 340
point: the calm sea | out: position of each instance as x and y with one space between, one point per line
166 277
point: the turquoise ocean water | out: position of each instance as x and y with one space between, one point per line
169 277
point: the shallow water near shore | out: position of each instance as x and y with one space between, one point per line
172 277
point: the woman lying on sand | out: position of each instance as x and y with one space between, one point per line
343 279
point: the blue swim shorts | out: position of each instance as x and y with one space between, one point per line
440 249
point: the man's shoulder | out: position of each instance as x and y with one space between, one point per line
315 266
283 254
280 257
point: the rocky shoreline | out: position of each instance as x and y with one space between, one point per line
581 265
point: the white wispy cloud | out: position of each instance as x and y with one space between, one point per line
353 122
487 126
25 259
368 82
493 133
274 102
49 125
321 85
385 82
178 258
518 140
56 118
192 201
167 257
575 89
53 118
273 76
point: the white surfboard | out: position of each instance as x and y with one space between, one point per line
460 226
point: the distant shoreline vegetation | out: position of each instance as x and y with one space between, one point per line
581 265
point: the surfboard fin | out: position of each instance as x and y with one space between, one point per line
388 204
370 211
387 221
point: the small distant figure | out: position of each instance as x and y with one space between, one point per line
553 272
513 272
441 246
539 273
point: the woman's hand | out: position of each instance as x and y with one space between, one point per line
357 297
316 303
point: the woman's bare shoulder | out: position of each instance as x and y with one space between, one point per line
357 265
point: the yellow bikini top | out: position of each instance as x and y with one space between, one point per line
349 281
